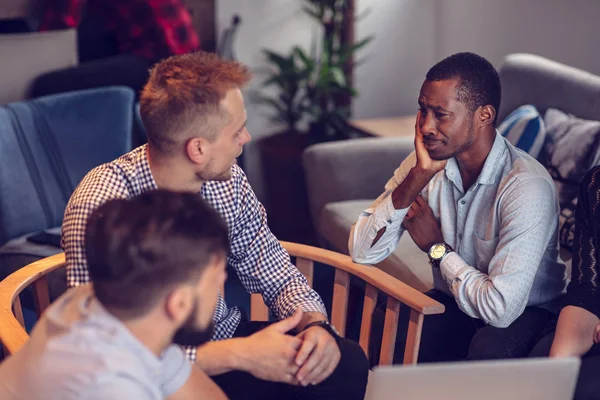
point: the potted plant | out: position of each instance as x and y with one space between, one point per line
312 102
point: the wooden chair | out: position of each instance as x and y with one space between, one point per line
13 334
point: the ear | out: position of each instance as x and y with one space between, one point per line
197 149
178 303
487 114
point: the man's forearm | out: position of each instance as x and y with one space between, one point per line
411 186
574 332
215 358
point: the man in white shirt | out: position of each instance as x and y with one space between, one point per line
485 212
157 261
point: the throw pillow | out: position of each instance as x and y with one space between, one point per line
524 128
572 148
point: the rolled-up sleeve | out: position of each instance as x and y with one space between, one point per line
381 214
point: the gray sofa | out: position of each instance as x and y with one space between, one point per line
344 177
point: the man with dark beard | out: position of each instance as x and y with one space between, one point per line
157 261
484 211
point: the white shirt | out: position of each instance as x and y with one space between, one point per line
504 231
78 350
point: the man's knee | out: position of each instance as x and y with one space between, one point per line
349 380
353 360
492 343
488 344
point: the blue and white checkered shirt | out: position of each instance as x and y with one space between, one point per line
262 265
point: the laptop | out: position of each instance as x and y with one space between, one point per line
524 379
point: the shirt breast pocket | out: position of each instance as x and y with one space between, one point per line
484 251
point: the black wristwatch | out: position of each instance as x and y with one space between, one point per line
438 252
327 326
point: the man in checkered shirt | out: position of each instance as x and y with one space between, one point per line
194 114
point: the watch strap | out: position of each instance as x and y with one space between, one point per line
325 325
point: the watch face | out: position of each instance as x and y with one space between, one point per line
437 251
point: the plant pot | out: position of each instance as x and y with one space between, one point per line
286 199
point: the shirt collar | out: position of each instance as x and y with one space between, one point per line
143 169
491 167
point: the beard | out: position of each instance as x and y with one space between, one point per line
459 149
209 175
189 334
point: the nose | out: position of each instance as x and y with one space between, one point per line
428 124
245 137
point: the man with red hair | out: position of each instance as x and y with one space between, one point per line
194 114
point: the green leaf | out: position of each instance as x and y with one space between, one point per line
313 13
348 51
308 62
338 76
282 62
357 46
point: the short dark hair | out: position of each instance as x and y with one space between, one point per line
479 83
140 248
183 95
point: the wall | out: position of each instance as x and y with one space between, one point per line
395 62
410 36
563 30
272 24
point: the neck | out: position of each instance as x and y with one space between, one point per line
169 173
149 333
471 161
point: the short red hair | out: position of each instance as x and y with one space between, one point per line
183 97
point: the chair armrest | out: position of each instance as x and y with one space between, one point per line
393 287
12 333
351 169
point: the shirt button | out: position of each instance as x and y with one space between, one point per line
460 236
462 202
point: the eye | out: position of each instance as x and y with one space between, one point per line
439 115
423 111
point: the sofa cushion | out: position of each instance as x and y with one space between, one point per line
47 145
407 263
572 148
524 128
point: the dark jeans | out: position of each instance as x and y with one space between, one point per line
348 381
454 336
588 382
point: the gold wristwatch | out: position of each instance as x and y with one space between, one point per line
437 252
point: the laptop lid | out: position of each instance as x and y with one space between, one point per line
523 379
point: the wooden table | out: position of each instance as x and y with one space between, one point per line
386 127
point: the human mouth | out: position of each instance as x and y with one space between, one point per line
431 144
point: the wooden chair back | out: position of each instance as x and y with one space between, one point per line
13 334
